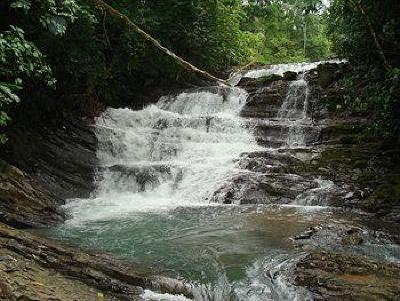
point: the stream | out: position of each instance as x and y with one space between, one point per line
172 192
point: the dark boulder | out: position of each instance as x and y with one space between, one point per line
290 75
61 157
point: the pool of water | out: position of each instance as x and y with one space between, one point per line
216 246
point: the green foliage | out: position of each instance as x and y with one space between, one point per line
53 15
19 59
352 37
293 30
373 89
95 57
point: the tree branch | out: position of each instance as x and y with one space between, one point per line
373 33
132 26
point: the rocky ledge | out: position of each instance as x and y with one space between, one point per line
61 156
24 203
34 268
336 276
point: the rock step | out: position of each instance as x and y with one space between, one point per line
136 178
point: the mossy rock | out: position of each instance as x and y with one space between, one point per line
290 75
259 82
328 73
265 80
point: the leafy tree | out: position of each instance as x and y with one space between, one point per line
20 60
95 58
294 30
367 32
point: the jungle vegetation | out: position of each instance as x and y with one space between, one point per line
72 53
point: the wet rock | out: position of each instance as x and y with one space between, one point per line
24 203
329 72
346 133
306 234
334 276
290 75
377 241
251 83
138 177
61 157
45 270
265 101
256 188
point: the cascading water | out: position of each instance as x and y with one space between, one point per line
294 112
296 102
160 168
280 69
174 153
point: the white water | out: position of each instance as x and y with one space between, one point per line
274 270
175 153
280 69
294 112
149 295
296 102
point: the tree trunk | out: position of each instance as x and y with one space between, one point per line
132 26
373 33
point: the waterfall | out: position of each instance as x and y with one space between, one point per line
296 101
174 153
280 69
294 112
162 169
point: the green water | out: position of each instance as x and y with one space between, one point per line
202 244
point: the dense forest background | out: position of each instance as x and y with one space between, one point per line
70 55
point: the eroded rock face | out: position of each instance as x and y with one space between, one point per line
334 276
24 203
62 157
